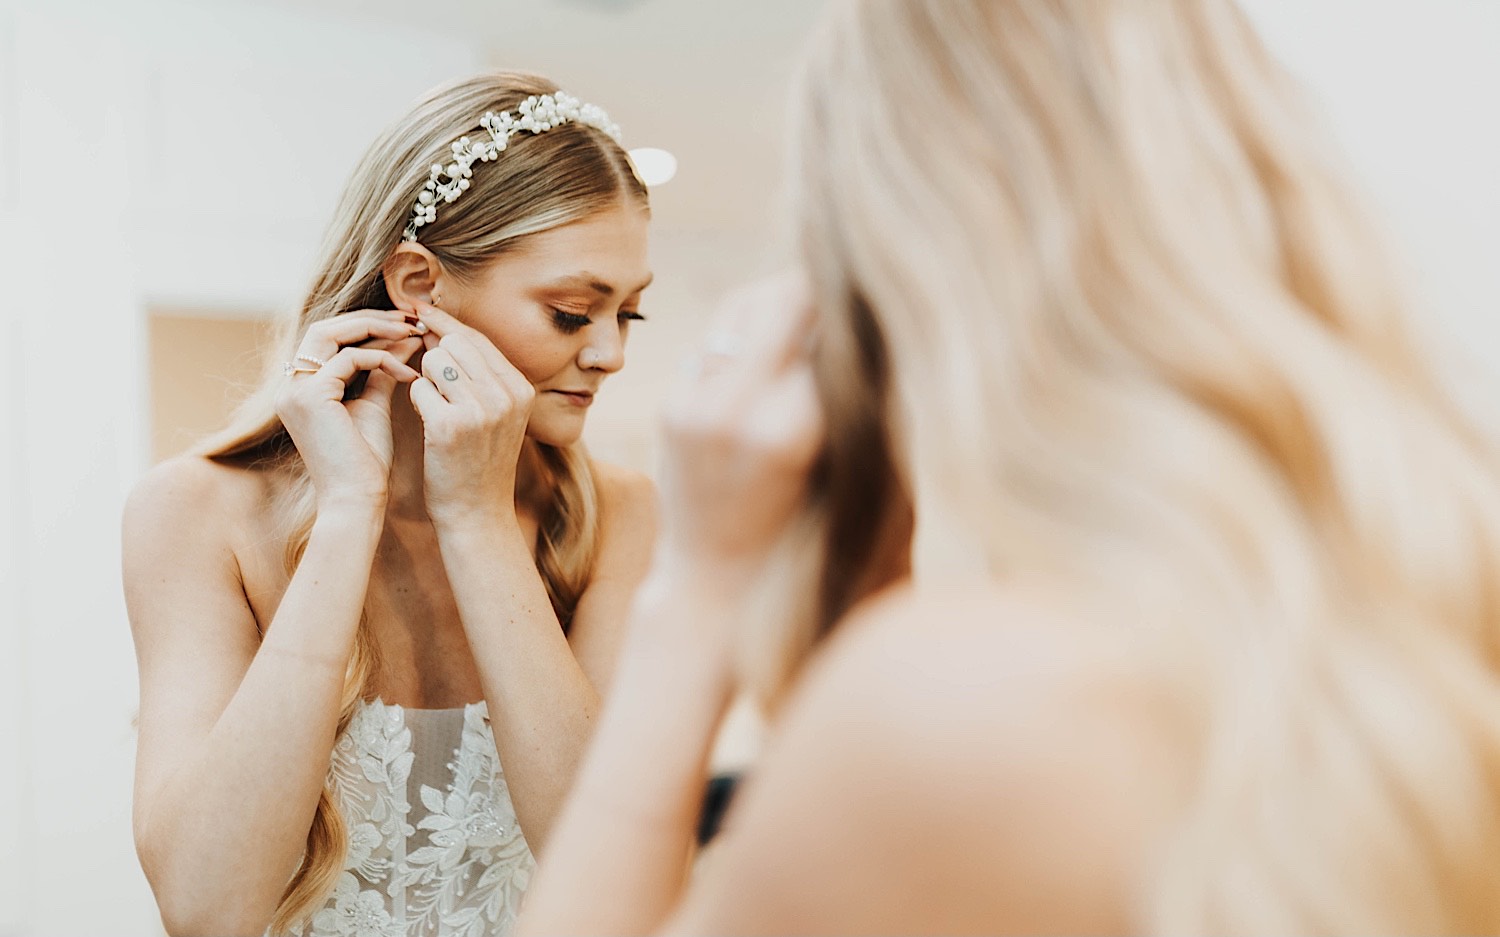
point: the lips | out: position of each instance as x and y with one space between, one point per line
580 398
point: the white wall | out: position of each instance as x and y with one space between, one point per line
150 154
15 801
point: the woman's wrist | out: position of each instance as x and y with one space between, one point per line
351 516
468 521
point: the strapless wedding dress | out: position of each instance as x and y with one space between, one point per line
434 846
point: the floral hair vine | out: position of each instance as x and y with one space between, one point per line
538 114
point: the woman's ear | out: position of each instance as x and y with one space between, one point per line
412 276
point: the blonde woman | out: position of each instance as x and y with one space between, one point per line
1204 629
399 572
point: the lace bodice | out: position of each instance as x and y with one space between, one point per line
434 846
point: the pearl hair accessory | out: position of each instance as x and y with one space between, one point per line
538 115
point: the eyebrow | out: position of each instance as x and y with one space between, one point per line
593 282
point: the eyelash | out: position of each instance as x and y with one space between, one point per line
570 322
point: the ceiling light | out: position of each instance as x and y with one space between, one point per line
654 166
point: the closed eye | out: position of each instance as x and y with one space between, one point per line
568 322
632 315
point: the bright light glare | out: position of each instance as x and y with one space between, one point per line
654 166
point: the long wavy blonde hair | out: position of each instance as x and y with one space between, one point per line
1097 306
541 182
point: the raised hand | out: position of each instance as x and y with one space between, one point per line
474 406
743 431
346 443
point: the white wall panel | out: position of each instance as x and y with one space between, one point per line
15 797
158 154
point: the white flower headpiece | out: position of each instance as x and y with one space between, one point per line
538 114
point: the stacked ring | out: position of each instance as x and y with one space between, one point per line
290 367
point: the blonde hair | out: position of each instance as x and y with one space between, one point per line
1127 330
539 183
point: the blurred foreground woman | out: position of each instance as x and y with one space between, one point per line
1204 628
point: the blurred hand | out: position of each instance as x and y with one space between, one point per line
346 444
743 430
474 406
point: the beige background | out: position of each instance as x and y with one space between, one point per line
201 367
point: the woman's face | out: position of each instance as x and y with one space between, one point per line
559 308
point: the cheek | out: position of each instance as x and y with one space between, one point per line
537 352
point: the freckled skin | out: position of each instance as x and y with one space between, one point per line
516 302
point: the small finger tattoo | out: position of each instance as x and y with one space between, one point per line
450 373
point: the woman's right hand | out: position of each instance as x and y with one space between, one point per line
743 432
346 444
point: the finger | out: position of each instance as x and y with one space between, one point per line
773 319
446 326
404 349
480 359
350 361
379 388
439 321
447 375
788 417
427 400
758 333
323 339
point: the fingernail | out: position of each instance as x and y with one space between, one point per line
421 328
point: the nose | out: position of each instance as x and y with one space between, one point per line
605 349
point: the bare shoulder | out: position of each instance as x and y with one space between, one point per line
627 517
956 762
206 493
624 493
627 536
185 527
964 645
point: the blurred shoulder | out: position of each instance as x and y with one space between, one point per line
956 644
1019 763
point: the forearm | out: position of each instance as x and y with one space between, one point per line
625 837
225 831
542 706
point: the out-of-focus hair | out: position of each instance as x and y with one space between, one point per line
540 182
1097 306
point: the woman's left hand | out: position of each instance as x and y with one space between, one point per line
474 406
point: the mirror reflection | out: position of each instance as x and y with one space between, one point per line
383 387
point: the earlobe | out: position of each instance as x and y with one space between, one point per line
411 276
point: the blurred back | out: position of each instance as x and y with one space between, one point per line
1096 301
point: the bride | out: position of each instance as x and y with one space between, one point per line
399 571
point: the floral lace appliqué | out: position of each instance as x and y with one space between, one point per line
471 876
459 871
